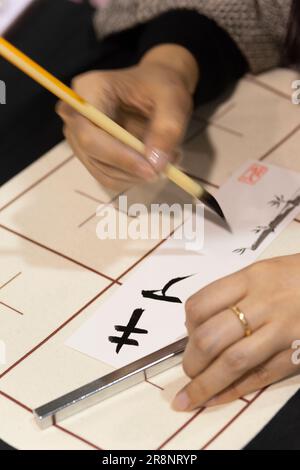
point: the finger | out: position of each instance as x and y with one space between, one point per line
94 163
212 337
168 126
274 370
214 298
106 149
235 362
96 142
113 172
93 91
134 123
116 184
64 111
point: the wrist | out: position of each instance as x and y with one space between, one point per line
177 58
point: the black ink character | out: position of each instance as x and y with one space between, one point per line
160 294
127 330
265 231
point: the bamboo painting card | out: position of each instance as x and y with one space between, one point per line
147 312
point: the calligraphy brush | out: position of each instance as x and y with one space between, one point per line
66 94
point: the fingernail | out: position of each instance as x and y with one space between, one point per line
181 402
158 160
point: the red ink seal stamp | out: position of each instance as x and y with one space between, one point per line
253 174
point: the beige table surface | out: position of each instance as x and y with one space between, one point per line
54 273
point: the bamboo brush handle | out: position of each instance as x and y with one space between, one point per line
66 94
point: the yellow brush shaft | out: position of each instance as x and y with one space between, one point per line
66 94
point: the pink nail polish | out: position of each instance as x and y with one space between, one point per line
158 160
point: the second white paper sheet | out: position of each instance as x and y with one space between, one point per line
259 201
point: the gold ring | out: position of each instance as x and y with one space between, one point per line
242 317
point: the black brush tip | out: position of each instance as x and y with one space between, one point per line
210 201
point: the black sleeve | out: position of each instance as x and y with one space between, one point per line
220 60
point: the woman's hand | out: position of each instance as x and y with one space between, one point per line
152 100
222 363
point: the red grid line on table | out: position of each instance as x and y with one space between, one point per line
180 429
94 213
11 308
40 180
32 186
98 295
212 122
235 417
51 250
170 438
189 421
205 124
37 182
90 217
226 129
162 389
80 311
104 205
280 143
152 383
248 403
255 81
220 113
129 269
265 86
113 281
6 284
244 400
256 395
57 330
57 426
10 280
132 267
73 434
88 196
148 253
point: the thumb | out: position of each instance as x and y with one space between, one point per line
167 128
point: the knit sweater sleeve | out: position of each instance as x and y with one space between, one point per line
258 27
